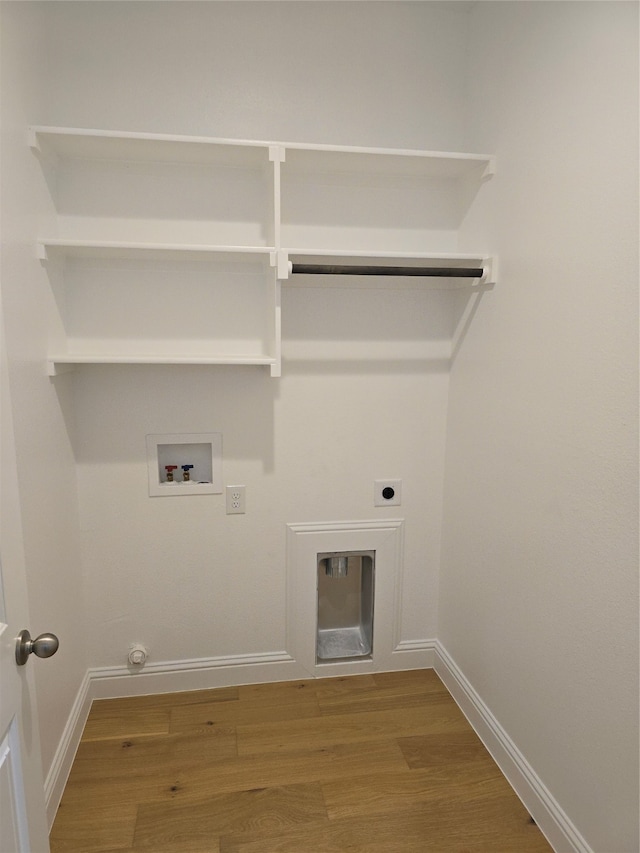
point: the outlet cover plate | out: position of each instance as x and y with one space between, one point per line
235 500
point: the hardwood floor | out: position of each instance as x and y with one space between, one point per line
381 763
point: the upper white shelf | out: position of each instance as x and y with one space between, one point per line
386 161
86 143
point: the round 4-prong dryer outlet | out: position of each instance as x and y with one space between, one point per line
387 492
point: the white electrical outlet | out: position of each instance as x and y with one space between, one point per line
387 492
235 500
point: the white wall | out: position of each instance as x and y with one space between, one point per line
388 74
539 577
42 418
178 574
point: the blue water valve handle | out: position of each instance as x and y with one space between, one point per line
186 469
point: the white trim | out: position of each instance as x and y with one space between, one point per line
553 822
333 526
198 674
194 663
304 542
67 748
414 654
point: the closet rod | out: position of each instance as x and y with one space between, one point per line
352 269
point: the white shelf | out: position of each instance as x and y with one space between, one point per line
157 189
55 248
363 255
57 364
131 303
87 144
386 161
170 249
367 200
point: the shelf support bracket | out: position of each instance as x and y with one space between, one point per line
32 140
490 266
284 265
489 170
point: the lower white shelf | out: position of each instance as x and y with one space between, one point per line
57 364
55 248
142 304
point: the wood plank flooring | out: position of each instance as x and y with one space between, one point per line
381 763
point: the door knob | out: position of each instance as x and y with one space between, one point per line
43 646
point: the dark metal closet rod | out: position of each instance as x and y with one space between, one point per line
351 269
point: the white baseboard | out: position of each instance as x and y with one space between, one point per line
414 654
198 674
560 832
67 748
206 673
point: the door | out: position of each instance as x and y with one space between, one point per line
23 824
